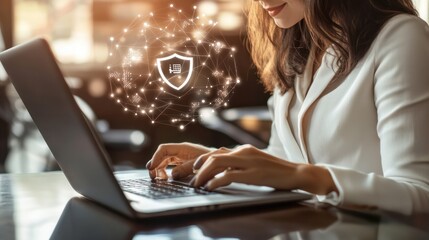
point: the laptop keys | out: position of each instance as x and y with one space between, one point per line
159 189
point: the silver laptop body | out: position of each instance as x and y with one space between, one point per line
74 143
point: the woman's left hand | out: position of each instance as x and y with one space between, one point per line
249 165
245 164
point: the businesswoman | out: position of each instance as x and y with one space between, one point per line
350 106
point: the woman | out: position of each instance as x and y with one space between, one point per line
350 106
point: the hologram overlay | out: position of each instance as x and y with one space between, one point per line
165 66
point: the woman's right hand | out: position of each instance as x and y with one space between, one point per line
183 155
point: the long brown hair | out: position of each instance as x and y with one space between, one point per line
280 55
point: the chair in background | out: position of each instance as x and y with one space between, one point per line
5 113
246 125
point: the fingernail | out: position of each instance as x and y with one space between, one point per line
148 164
197 165
175 174
152 174
192 181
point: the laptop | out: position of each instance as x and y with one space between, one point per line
74 143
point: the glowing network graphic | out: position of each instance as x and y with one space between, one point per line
165 66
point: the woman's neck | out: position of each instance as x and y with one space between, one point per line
317 60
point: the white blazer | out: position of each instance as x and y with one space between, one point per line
370 130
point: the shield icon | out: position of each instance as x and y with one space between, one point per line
175 70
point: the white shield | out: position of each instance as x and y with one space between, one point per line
175 69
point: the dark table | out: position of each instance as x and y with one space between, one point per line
43 206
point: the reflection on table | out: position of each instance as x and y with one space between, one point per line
43 206
82 219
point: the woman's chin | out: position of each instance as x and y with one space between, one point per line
281 23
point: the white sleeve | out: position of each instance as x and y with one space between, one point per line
401 93
275 146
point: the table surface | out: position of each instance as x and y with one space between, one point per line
43 206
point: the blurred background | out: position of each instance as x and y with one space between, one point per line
78 31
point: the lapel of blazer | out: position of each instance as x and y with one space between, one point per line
291 146
320 82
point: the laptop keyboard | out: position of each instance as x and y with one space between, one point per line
159 189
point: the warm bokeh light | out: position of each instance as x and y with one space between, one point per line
209 8
78 30
229 21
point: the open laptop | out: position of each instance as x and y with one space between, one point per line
74 144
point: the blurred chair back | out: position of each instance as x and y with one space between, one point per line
5 113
